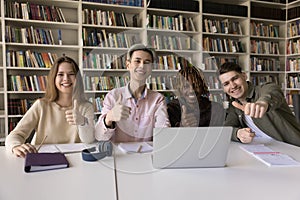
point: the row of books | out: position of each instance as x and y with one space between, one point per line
104 83
293 47
213 82
214 62
222 45
103 17
97 102
32 11
177 23
293 13
172 62
293 100
12 124
165 42
97 37
225 9
293 64
28 58
264 64
29 35
261 79
19 106
264 47
293 81
218 97
27 83
95 60
293 29
192 6
268 13
224 26
264 30
139 3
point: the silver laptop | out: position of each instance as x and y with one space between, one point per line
188 147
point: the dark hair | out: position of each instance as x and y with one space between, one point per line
51 90
190 72
229 66
141 47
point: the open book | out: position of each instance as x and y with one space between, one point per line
268 156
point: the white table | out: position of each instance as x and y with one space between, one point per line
81 181
245 178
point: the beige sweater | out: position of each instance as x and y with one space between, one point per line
49 119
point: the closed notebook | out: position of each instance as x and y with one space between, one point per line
45 161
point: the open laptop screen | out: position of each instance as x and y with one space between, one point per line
184 147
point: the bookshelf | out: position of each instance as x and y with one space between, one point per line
267 42
97 34
293 52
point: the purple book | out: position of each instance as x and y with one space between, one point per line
45 161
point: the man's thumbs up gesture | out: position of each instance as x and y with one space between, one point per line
256 110
118 112
74 117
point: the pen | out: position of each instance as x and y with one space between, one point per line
42 143
139 149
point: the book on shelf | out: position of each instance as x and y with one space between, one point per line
293 64
45 161
268 13
264 64
138 3
33 11
264 30
192 6
225 9
27 83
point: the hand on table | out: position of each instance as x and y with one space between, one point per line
23 149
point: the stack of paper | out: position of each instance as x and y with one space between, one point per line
268 156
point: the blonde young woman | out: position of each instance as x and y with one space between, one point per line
63 115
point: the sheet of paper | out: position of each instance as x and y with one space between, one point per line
63 148
268 156
71 148
135 147
48 148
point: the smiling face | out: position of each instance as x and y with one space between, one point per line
188 92
235 84
140 65
65 78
